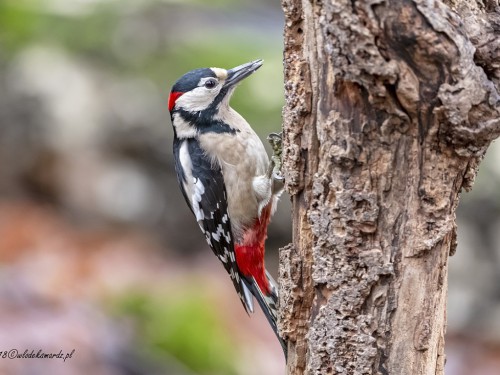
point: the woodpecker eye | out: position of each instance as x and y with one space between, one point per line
210 83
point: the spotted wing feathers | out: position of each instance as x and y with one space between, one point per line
202 185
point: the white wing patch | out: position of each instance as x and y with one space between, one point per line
198 191
192 186
187 167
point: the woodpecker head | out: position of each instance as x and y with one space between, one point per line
198 96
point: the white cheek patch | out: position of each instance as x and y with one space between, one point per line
197 99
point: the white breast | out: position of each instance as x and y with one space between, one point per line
243 158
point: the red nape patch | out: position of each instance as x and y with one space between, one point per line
172 98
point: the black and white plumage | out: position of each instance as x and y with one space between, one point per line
204 191
226 179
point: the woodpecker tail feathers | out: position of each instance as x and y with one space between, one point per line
268 303
247 298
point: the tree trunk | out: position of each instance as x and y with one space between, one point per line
390 106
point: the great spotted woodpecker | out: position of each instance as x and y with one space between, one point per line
226 178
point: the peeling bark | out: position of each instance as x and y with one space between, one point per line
390 107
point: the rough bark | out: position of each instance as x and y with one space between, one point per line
390 106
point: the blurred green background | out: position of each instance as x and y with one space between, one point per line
98 250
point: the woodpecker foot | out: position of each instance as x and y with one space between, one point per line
274 171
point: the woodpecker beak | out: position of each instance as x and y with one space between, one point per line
237 74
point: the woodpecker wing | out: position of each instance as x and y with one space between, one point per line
202 185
